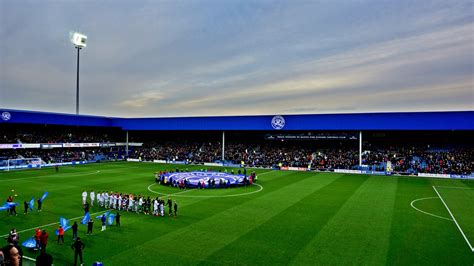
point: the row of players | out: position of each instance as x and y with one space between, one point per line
129 202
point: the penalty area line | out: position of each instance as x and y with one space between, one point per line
454 219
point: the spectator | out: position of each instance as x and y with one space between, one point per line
12 255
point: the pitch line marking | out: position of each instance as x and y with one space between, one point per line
264 173
202 196
47 176
457 187
182 192
28 258
46 225
434 215
454 219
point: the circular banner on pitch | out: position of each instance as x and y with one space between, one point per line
210 179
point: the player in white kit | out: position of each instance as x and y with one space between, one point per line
92 195
84 197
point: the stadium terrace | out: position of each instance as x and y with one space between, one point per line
277 189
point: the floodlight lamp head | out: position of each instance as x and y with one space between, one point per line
78 39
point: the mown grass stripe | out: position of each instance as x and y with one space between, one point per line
358 233
292 228
210 234
152 229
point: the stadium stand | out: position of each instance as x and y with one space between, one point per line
429 151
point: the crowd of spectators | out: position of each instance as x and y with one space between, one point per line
413 159
406 159
335 159
59 135
178 151
319 155
257 155
419 159
60 155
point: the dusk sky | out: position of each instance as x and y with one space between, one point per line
223 57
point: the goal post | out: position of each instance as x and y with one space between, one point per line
23 163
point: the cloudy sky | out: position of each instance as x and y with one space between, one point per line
229 57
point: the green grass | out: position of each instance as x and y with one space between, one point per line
460 200
299 218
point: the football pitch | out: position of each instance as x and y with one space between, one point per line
298 218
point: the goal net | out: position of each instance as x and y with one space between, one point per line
21 163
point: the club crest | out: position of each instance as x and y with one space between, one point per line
6 116
278 122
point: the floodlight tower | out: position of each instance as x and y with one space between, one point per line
79 40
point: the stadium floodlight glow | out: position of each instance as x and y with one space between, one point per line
80 41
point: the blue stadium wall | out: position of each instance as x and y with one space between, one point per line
456 120
32 117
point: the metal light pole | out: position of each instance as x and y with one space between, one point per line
79 40
77 82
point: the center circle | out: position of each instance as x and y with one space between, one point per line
181 194
204 180
197 179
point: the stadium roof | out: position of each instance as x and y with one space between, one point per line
452 120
